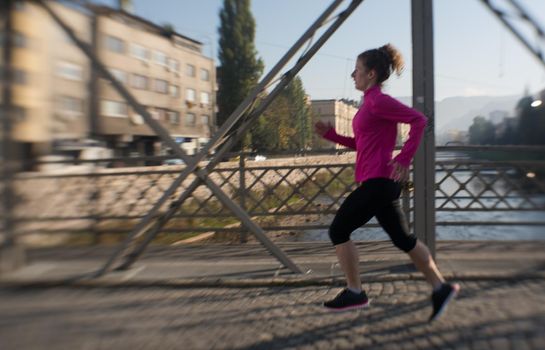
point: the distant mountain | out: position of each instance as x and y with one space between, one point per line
457 113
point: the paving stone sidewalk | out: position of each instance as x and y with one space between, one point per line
487 315
214 297
251 264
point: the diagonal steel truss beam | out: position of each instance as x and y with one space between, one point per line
252 116
192 163
521 14
164 135
147 224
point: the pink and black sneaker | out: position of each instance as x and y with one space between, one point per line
347 300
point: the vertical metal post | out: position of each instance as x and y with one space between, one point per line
242 193
94 204
11 254
423 100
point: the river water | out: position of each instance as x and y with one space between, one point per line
469 232
504 186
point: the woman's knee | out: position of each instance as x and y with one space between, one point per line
338 236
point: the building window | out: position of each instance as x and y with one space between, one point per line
68 104
19 77
115 44
69 71
174 117
19 5
174 65
18 113
162 114
114 109
161 86
19 40
136 118
154 113
120 75
160 58
205 120
139 52
190 95
190 70
139 82
190 119
205 74
205 98
174 91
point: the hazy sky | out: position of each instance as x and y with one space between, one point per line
474 53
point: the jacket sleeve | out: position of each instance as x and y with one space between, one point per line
346 141
389 108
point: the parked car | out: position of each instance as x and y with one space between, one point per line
173 161
259 158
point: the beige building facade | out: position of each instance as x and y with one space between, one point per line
337 112
61 100
340 114
50 90
165 71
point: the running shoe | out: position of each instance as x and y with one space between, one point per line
347 300
441 297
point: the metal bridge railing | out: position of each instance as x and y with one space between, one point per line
285 193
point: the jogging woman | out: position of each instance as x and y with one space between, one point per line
379 178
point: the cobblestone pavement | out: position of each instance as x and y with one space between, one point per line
501 314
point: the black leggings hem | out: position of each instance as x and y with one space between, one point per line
374 198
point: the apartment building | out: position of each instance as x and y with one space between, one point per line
337 112
50 91
340 114
62 101
165 71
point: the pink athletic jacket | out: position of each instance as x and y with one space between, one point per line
375 130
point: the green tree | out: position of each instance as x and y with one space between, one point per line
482 132
263 138
300 114
531 122
239 66
168 29
286 123
509 136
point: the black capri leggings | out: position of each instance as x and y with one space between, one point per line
375 197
